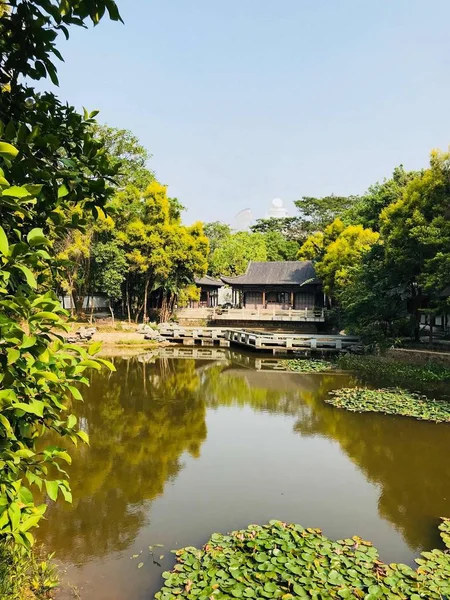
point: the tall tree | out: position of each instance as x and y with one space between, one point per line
317 213
216 232
235 252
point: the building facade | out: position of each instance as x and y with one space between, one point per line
280 285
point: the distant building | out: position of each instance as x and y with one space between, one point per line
279 284
209 292
277 209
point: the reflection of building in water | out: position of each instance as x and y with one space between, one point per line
243 220
277 209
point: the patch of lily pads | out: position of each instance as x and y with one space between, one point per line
307 365
393 370
395 401
287 561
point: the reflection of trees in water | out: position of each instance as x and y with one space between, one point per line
140 420
408 459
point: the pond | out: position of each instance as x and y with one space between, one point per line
182 448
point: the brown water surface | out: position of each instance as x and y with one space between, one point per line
183 448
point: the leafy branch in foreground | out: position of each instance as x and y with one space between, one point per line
39 372
288 561
392 402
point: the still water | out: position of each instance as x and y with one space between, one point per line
183 448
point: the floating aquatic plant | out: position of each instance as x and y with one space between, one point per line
392 402
307 365
393 370
288 561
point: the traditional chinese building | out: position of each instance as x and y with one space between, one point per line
280 285
209 292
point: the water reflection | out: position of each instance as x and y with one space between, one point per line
149 420
140 421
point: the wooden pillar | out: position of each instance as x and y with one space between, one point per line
264 298
207 298
292 299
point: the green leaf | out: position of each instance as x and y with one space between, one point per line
94 348
36 407
8 151
36 237
6 424
71 421
28 275
13 355
52 488
30 522
62 191
16 191
28 341
45 316
46 375
75 392
83 436
67 494
4 246
14 516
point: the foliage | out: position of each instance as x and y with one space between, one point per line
367 208
216 232
337 251
392 370
26 575
127 153
49 162
110 268
38 375
395 401
235 252
280 248
317 213
307 365
165 254
287 561
291 228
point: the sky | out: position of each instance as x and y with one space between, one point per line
242 101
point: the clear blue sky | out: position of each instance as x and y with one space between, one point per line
241 101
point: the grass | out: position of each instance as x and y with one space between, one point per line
391 401
26 576
287 561
307 365
394 371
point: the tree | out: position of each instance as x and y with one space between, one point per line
416 232
125 151
367 208
48 161
317 213
339 249
291 228
164 254
216 232
235 252
110 265
280 248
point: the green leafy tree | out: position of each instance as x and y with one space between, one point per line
216 232
111 265
235 252
127 153
49 161
291 228
416 233
317 213
280 248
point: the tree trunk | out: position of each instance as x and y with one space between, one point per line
112 312
430 339
128 299
145 300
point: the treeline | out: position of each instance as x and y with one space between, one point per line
136 251
384 257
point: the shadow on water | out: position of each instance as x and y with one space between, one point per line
181 448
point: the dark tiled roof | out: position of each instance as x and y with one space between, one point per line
294 272
207 280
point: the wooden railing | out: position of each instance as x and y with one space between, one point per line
306 315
